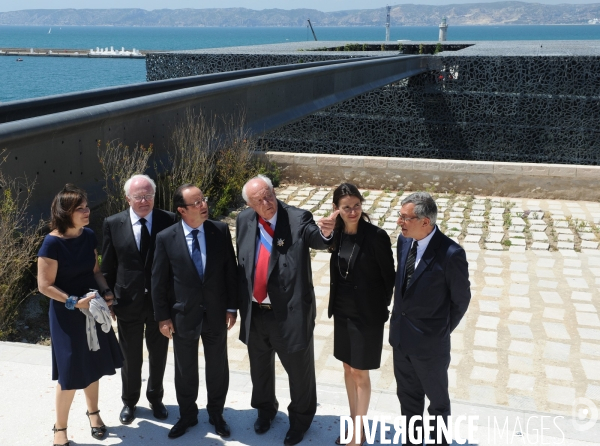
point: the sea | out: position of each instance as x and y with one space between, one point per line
45 76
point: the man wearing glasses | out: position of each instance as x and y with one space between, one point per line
431 296
195 295
127 253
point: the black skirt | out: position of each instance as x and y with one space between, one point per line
357 345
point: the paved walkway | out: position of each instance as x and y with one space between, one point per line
529 345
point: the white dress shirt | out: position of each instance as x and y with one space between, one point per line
422 246
137 226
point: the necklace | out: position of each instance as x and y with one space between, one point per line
349 259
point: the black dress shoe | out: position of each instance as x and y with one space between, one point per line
181 427
221 427
262 424
293 437
159 411
127 414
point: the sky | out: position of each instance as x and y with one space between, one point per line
321 5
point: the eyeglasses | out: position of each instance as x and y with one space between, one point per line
348 209
406 219
197 203
140 198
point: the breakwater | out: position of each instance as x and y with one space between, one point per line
70 52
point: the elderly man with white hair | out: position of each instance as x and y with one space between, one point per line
277 302
127 255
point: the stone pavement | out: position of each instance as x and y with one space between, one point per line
529 345
531 337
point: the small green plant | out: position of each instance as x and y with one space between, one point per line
421 48
506 242
399 193
366 194
364 47
353 47
438 48
401 47
430 188
382 47
387 190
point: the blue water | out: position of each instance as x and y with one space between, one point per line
43 76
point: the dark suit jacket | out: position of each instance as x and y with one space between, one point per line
289 282
373 274
177 291
122 265
435 300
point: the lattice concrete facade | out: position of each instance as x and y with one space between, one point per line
533 102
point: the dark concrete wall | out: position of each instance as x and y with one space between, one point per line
62 147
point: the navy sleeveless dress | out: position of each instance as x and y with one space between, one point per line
73 364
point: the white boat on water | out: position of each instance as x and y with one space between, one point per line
114 53
50 30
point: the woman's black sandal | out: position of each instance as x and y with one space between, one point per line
55 430
97 432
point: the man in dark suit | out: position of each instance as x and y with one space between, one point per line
195 295
432 295
127 253
277 302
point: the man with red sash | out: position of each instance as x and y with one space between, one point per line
277 301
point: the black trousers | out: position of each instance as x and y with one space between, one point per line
187 378
264 341
136 321
416 377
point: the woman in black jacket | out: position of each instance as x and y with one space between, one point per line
362 280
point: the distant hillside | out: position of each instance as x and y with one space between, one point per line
500 13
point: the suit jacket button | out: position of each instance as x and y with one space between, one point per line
403 313
291 308
355 287
284 289
285 264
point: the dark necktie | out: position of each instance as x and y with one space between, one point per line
144 240
410 264
197 254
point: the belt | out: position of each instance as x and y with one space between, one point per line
262 306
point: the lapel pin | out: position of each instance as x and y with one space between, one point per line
280 242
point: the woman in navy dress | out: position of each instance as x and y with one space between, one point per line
67 271
362 280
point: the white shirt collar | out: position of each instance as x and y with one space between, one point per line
187 228
425 241
273 221
136 218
